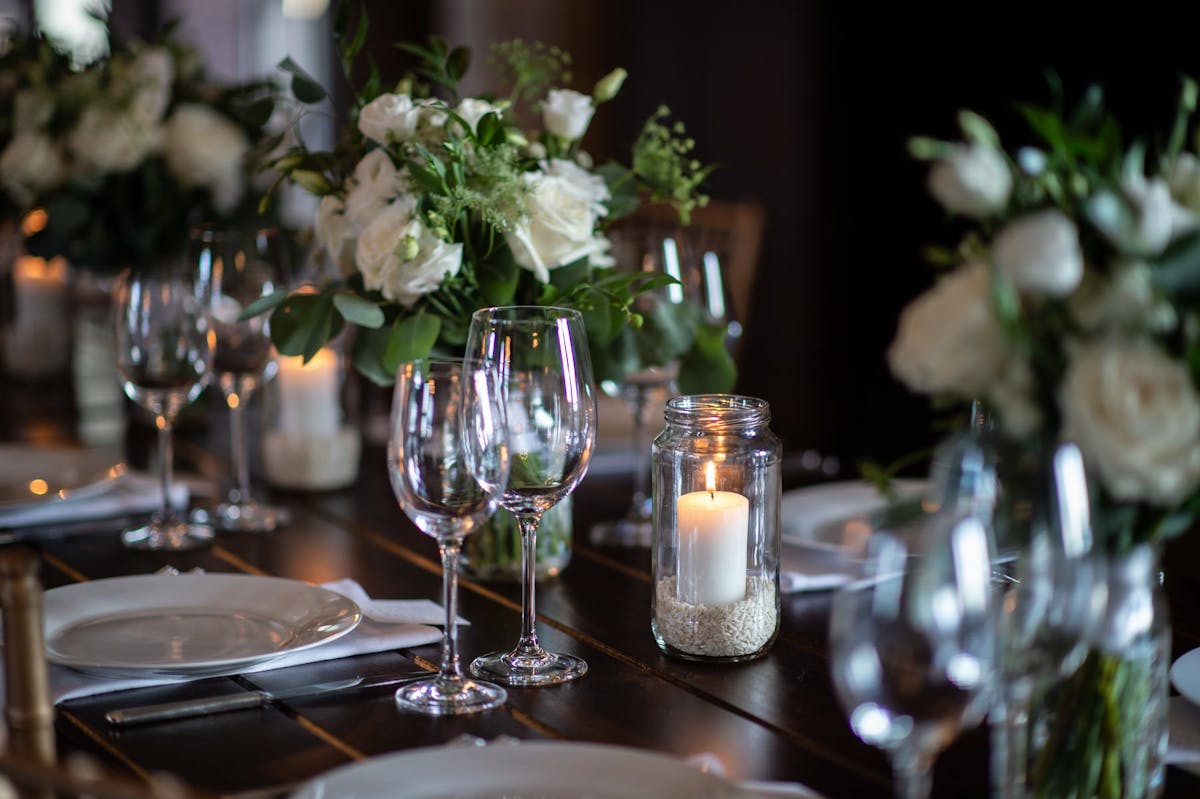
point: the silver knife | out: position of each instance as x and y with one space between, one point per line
188 708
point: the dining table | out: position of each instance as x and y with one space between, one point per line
776 718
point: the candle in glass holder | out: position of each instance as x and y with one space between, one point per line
713 528
37 342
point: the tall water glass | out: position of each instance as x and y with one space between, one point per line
448 462
241 266
541 356
913 643
164 357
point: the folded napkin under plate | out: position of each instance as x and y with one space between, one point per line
386 625
129 494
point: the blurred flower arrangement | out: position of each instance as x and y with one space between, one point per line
436 205
125 154
1072 304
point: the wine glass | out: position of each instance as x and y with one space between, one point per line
241 266
448 463
684 255
164 357
913 642
541 356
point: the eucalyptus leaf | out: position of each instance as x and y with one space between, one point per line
566 277
263 304
622 189
306 89
498 277
368 354
357 310
293 321
707 368
412 337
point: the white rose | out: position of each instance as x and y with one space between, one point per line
566 113
205 148
32 110
397 118
401 258
152 74
472 110
30 164
974 180
108 140
562 206
1040 254
948 339
1124 299
1135 415
376 182
331 231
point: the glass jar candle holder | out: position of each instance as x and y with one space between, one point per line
716 477
310 441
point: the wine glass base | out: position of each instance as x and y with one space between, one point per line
437 697
622 533
250 517
548 668
169 537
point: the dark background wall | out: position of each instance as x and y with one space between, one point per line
807 106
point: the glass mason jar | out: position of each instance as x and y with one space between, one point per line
310 441
715 550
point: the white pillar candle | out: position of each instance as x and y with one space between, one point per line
309 401
37 342
713 527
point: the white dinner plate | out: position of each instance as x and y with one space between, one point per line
36 475
536 770
835 517
189 624
1185 676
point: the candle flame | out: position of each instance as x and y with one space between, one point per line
710 478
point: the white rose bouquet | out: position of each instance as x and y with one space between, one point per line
1072 304
126 154
437 205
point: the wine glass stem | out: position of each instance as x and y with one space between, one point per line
236 399
914 774
641 455
450 548
528 645
166 451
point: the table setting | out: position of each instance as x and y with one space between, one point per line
482 597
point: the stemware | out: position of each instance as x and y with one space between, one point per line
913 642
541 356
682 255
164 357
448 462
241 266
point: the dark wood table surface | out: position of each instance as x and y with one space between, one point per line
776 718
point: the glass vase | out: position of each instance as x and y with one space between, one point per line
1100 730
494 551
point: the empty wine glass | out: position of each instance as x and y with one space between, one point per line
448 462
541 356
241 266
682 254
913 642
164 357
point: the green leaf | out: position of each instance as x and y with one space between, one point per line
622 189
707 367
618 357
412 337
293 321
1178 269
458 62
263 304
566 277
498 277
304 86
367 355
357 310
256 114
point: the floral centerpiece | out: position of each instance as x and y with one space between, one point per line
1072 307
125 155
436 205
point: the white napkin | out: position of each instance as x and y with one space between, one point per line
370 636
131 493
392 611
711 764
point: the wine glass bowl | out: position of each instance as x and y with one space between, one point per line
241 266
447 464
164 357
913 642
540 355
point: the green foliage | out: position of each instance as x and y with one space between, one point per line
530 69
662 160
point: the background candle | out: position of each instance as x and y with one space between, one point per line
712 532
309 402
38 341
